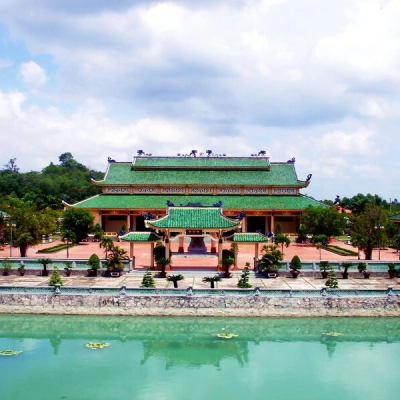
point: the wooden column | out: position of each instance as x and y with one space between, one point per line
213 248
235 253
128 222
219 252
152 255
180 248
272 223
131 254
256 250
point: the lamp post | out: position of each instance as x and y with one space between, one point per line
11 224
379 227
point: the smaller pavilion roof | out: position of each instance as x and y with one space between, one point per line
395 217
194 218
140 237
247 238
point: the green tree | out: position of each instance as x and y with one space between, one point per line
323 221
28 224
114 261
106 243
332 282
282 240
320 241
78 221
69 237
365 225
358 203
270 259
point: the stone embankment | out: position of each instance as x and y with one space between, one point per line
220 306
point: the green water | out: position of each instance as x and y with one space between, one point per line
180 358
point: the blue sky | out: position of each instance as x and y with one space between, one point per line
310 79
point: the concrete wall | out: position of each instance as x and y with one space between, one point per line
221 306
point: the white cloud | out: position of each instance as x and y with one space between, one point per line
33 74
359 142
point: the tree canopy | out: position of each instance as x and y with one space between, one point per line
69 180
323 221
77 221
28 223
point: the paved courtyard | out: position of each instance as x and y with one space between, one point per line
204 266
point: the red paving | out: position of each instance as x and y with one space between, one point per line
306 252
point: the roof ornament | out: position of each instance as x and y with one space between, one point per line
218 204
291 161
193 153
92 175
309 176
63 197
262 153
147 216
209 153
142 153
241 215
337 200
110 160
170 203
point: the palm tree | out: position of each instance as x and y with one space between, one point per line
107 243
69 236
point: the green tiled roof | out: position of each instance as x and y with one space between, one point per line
201 162
247 238
279 175
140 237
395 217
193 218
143 202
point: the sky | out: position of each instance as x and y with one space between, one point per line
317 80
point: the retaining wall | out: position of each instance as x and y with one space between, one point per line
206 305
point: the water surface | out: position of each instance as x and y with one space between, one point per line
181 358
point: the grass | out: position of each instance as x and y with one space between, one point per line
55 249
340 250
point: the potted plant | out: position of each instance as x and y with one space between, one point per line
227 262
175 279
212 280
68 268
6 267
159 253
148 280
295 266
392 270
94 264
163 263
269 263
114 262
45 262
21 268
362 269
324 267
346 265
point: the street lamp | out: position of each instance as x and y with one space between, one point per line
11 225
379 226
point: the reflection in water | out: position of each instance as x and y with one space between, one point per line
167 358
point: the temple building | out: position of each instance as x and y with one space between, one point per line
253 189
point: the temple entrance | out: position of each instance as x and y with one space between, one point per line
256 224
140 227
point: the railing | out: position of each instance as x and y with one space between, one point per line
190 291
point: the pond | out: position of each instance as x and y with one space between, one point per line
181 358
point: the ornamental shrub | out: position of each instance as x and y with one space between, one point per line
55 278
332 282
148 280
243 282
